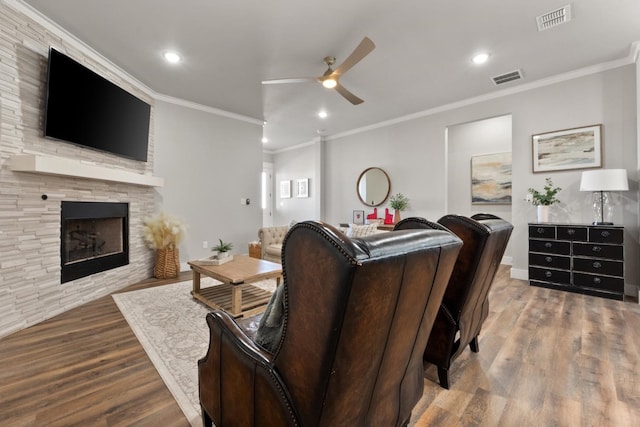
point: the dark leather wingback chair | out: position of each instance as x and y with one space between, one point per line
465 305
357 316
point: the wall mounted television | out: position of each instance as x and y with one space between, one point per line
86 109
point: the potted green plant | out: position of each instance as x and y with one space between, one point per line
398 203
543 199
222 249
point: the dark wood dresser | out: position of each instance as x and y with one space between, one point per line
586 259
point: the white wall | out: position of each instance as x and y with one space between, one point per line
292 165
407 152
464 141
413 154
209 163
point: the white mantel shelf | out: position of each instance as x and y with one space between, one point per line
50 165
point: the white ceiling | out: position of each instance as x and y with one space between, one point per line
421 60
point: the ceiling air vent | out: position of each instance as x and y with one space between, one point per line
507 77
554 18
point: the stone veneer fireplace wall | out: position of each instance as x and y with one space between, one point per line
30 203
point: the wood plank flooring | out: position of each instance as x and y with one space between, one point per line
547 358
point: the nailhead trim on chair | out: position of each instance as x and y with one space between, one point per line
433 225
329 237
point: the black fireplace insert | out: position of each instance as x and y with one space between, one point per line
94 237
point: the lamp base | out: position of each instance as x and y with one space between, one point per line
602 223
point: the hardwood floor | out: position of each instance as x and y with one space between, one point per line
84 367
547 358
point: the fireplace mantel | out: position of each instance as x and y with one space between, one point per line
50 165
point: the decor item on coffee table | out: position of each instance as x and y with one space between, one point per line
164 233
236 295
356 315
222 249
398 203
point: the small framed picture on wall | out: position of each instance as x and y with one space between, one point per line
285 189
303 188
358 217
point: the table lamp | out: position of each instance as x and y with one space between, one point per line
602 181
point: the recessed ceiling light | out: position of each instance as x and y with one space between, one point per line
323 114
265 139
171 57
480 58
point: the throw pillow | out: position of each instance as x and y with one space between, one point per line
272 322
362 230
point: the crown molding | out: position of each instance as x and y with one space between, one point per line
634 51
295 147
631 58
73 41
29 11
205 108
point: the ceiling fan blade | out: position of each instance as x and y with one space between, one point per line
290 80
348 95
364 48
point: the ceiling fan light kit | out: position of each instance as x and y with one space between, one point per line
331 78
329 83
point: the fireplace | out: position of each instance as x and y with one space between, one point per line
94 237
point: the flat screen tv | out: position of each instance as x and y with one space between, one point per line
86 109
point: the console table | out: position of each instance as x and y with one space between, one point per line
586 259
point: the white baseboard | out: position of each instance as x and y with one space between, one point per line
632 290
518 273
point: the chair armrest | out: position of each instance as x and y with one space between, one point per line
237 375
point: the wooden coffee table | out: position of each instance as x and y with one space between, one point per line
236 295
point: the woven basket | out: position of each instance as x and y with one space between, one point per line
167 263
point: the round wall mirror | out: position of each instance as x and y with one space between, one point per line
373 186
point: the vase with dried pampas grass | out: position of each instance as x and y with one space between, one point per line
164 233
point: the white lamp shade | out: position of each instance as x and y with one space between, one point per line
604 180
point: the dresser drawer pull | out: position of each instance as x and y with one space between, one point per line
605 234
596 248
597 265
548 245
548 259
596 280
548 273
540 230
571 231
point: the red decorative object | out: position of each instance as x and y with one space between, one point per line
374 215
388 217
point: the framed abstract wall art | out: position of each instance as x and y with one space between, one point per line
577 148
491 179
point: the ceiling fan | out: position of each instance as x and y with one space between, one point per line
331 78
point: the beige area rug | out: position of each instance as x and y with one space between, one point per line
171 327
